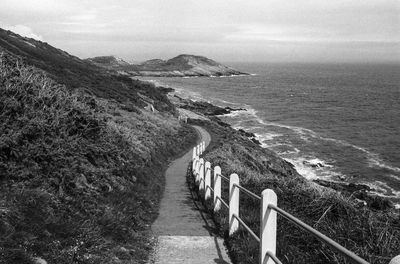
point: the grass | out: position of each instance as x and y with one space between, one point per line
371 234
75 73
80 177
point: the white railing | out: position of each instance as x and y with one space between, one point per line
202 169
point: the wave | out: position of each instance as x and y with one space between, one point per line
307 166
266 136
314 168
305 134
373 158
394 177
234 76
382 189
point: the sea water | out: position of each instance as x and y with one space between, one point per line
332 122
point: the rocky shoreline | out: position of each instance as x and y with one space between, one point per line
360 192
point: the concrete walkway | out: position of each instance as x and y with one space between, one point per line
184 232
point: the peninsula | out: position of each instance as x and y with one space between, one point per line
180 66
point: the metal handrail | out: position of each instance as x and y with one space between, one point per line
274 258
247 228
223 202
209 187
318 234
224 177
247 191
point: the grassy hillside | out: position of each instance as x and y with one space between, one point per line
75 73
80 176
372 234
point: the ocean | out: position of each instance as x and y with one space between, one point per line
332 122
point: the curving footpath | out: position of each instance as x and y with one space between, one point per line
184 232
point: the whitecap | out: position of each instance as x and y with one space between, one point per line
266 136
305 134
382 189
305 171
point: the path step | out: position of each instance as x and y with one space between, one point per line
190 250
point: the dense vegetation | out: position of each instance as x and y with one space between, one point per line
372 234
80 178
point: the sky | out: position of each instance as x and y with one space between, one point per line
229 30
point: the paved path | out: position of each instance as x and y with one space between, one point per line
183 230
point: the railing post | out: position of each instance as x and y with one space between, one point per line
203 147
198 150
233 203
207 181
197 169
201 175
217 188
194 153
395 260
194 164
267 226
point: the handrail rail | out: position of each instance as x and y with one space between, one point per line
247 228
269 210
247 191
223 202
224 177
318 234
274 258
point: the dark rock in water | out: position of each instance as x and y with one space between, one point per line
205 107
256 141
235 109
247 134
224 111
219 111
165 89
313 165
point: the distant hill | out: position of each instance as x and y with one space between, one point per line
179 66
108 61
75 73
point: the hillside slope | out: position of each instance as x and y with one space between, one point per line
179 66
75 73
81 176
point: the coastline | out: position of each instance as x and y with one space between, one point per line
345 212
363 194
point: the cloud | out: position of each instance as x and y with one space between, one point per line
24 31
259 29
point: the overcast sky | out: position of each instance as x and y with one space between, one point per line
229 30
